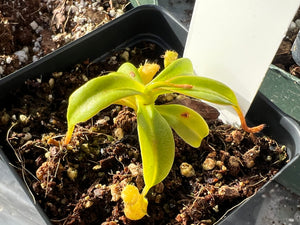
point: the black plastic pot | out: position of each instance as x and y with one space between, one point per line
156 25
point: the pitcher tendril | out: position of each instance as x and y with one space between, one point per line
138 88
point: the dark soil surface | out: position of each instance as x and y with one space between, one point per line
31 29
81 183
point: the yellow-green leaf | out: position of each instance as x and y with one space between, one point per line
97 94
187 123
131 71
179 67
202 88
156 143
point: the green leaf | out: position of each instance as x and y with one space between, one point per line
131 71
156 143
99 93
179 67
136 3
202 88
187 123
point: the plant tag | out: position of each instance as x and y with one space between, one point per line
235 41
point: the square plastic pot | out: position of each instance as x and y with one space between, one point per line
150 23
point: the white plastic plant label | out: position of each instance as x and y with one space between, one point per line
234 41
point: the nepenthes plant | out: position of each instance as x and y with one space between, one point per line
138 88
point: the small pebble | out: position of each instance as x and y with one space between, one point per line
47 155
125 55
51 82
187 170
84 78
39 29
50 98
27 137
135 170
23 119
72 173
216 208
119 12
97 167
249 157
237 136
5 118
119 133
35 58
36 47
209 164
112 12
159 188
57 74
158 198
34 25
269 158
22 55
8 60
297 22
292 26
88 204
115 192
